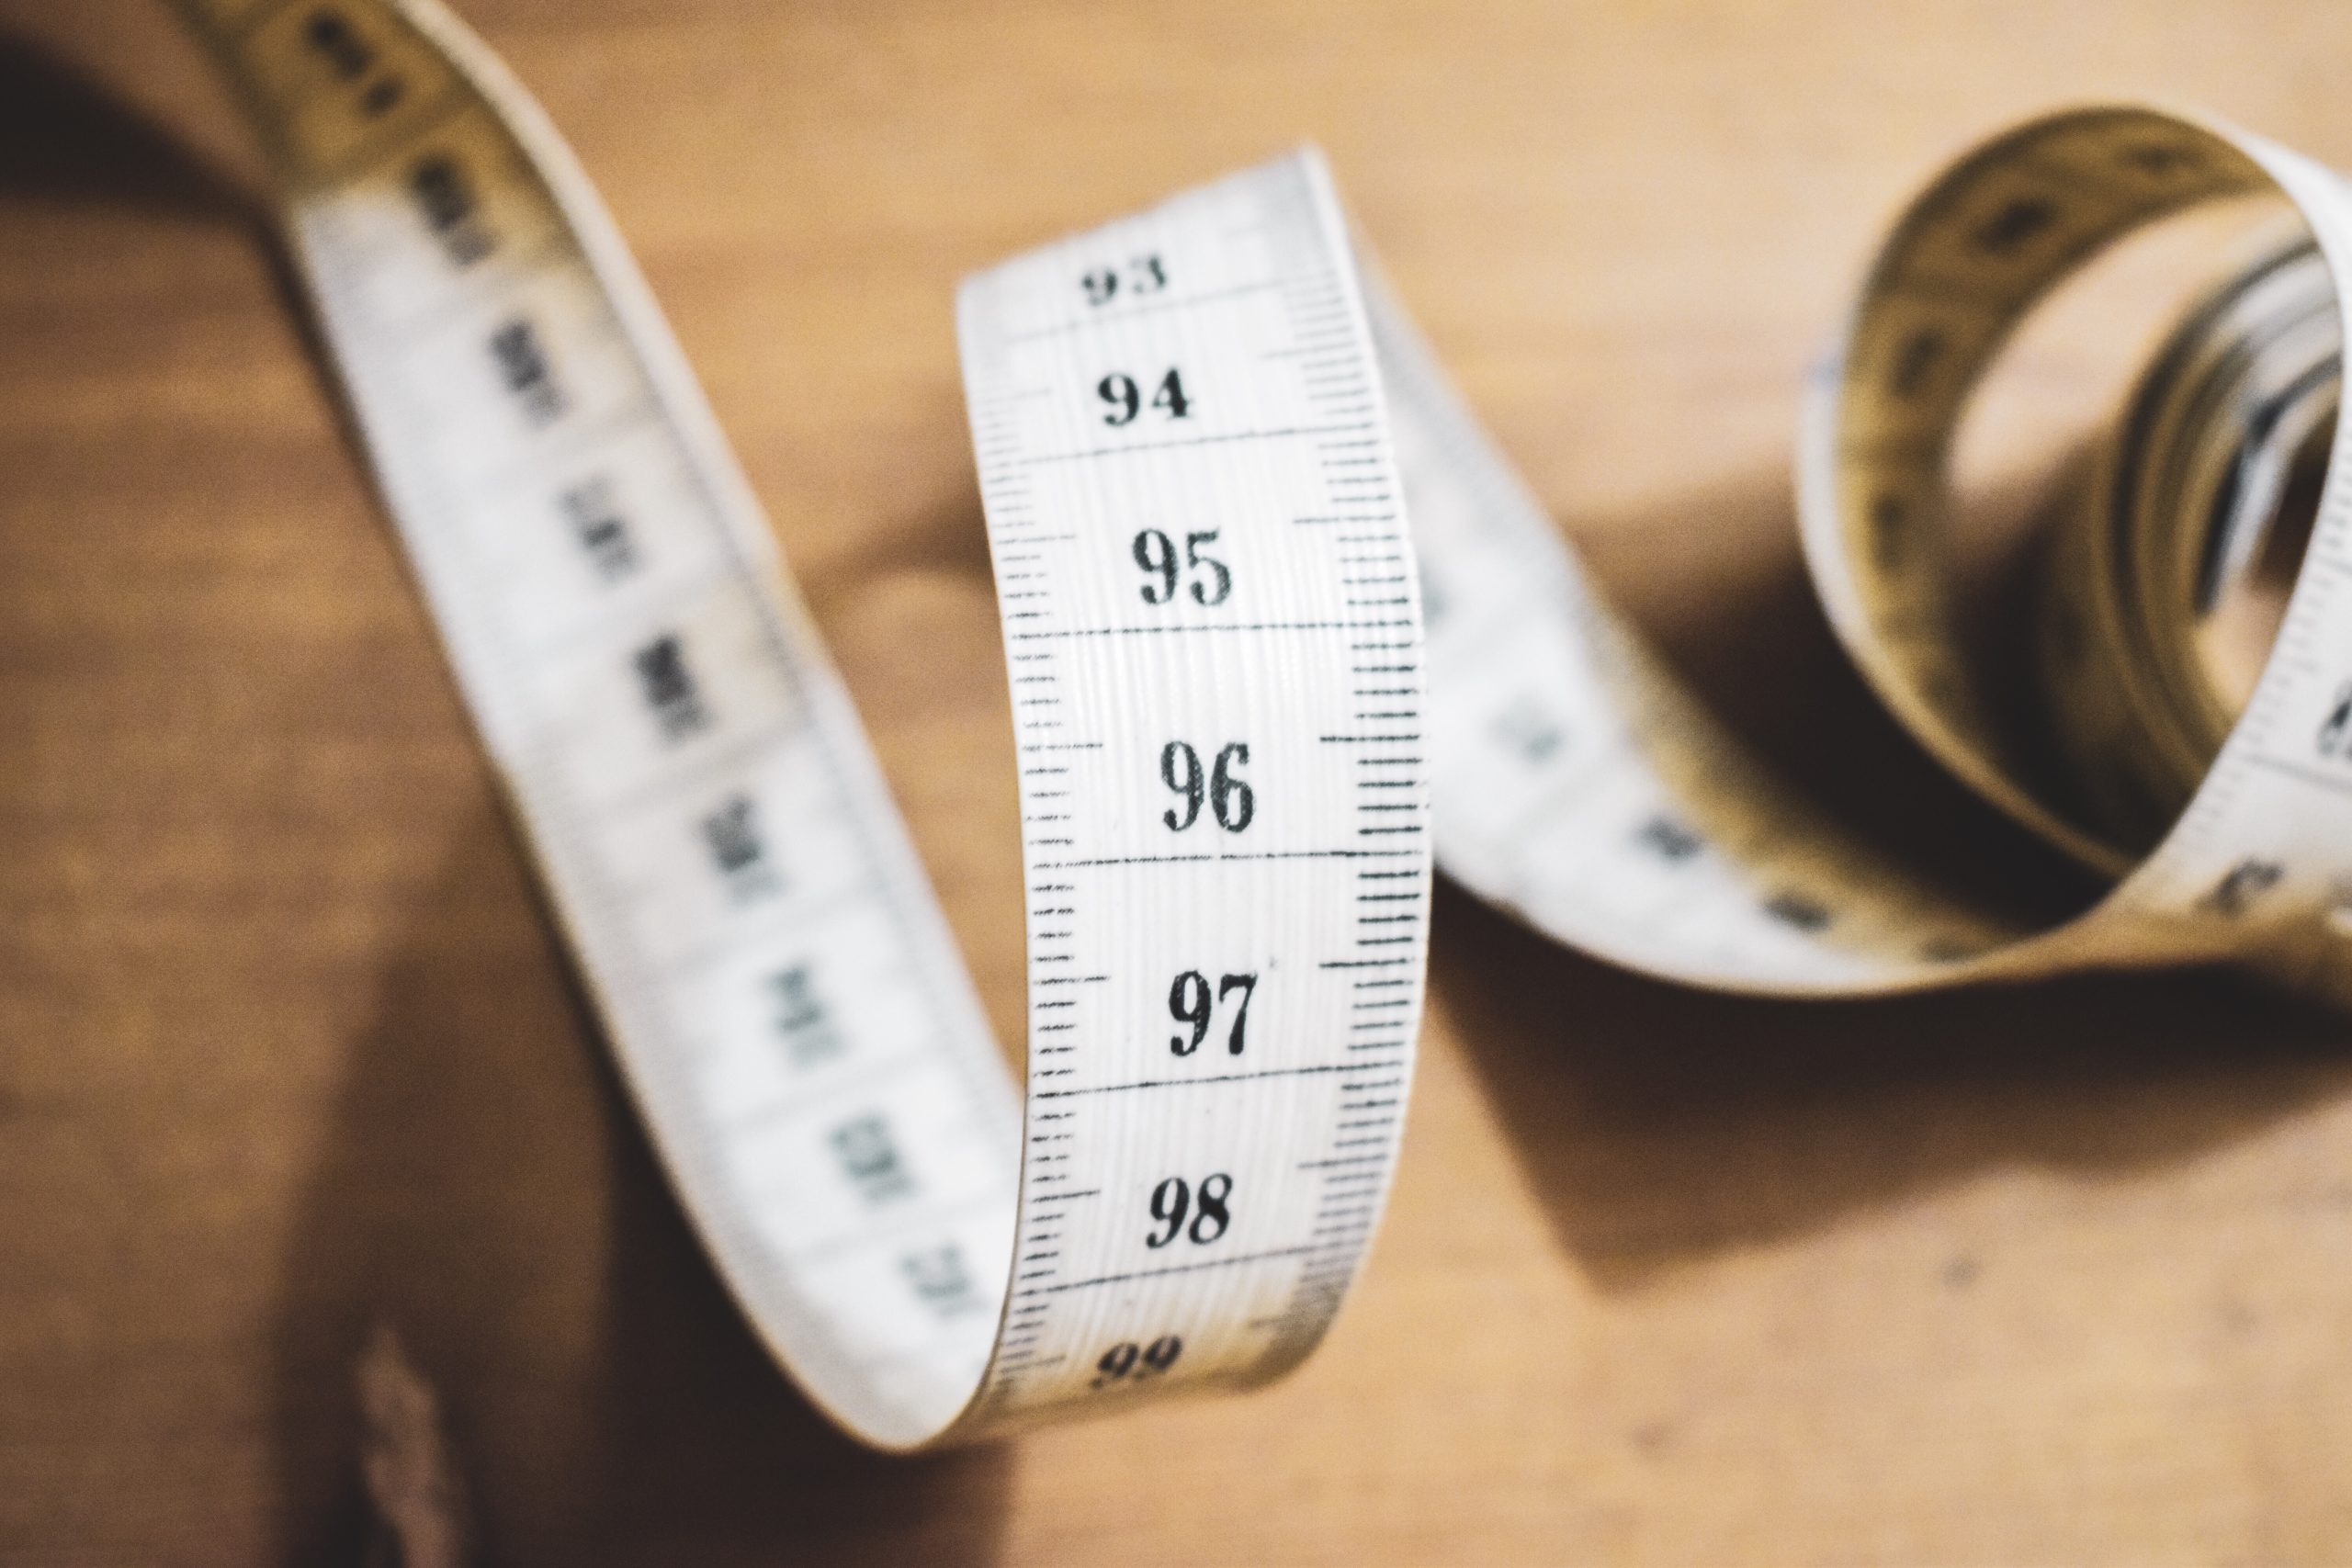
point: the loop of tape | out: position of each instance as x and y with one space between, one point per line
1213 632
1214 627
1578 785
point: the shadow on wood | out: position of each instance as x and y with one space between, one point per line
1664 1125
484 1188
65 138
486 1191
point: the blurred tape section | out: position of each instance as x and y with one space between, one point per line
1581 787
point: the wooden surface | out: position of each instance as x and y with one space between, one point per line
287 1048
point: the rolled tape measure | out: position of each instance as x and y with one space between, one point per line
1213 629
1578 784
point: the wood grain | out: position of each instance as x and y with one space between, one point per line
287 1048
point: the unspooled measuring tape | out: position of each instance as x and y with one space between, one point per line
1214 639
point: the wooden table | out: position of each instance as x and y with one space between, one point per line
287 1048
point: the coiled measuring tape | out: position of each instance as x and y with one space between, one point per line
1214 633
1576 784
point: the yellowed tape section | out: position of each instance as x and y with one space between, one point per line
1580 787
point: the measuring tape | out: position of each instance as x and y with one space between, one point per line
1578 784
1214 638
1213 632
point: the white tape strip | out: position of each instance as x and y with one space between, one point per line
1213 631
1580 787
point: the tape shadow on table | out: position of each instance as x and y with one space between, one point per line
484 1190
1662 1126
64 137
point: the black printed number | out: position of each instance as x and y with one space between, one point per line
1171 1202
451 208
1142 1361
1126 399
1144 275
1231 799
941 1281
1189 1002
2333 731
1211 579
353 60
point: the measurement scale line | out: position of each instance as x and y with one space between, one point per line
1222 859
1353 626
1215 1078
1156 308
1245 1258
1283 433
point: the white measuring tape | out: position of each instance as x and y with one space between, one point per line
1213 639
1214 636
1578 785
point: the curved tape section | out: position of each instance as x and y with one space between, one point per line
1581 787
1213 625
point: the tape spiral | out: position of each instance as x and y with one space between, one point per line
1213 629
1578 784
